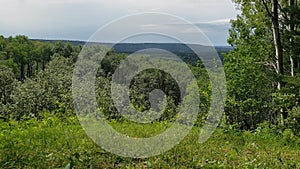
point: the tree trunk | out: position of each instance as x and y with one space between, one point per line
22 71
277 39
292 31
292 65
29 69
43 66
278 50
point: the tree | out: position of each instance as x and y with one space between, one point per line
249 88
274 16
20 49
7 85
49 91
272 23
2 48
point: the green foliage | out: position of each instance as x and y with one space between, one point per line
293 120
50 90
10 64
111 62
249 89
7 80
66 50
152 79
144 83
53 143
7 86
204 86
27 57
258 89
104 100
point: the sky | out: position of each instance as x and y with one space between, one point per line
80 19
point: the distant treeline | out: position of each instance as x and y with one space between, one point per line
182 50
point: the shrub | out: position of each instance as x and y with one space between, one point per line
293 120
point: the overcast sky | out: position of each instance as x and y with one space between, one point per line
79 19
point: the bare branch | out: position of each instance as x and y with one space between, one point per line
271 65
267 8
284 14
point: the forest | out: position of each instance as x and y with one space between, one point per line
260 126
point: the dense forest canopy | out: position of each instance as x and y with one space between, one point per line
37 78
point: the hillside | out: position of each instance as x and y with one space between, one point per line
181 50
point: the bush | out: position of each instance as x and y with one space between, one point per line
293 120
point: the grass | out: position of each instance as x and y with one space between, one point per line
53 143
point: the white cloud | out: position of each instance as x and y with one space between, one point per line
78 19
217 22
190 9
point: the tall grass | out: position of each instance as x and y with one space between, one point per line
55 143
